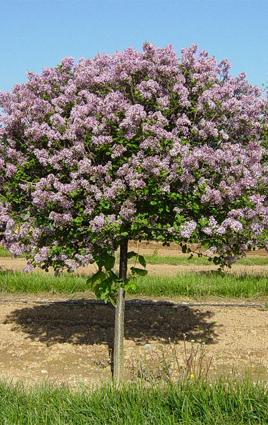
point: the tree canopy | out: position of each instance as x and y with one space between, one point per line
132 145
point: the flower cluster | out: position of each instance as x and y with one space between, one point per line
139 144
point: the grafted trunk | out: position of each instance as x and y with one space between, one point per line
118 354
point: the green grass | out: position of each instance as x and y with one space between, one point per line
200 284
187 403
4 252
254 261
19 282
205 284
184 260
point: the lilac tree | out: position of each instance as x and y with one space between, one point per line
134 145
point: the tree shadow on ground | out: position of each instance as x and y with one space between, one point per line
92 322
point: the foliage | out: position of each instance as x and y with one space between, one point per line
136 145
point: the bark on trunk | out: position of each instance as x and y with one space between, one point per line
118 355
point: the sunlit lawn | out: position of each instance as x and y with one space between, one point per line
190 284
189 403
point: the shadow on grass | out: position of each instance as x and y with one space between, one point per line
92 322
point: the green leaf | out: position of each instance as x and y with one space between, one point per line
142 260
107 261
107 288
97 277
139 272
130 285
114 276
131 254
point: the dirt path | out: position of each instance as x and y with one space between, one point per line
18 264
70 342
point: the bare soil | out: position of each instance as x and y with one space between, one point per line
71 342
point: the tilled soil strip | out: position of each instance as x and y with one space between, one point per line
68 340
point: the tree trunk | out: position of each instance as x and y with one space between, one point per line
118 355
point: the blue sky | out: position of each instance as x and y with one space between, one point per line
37 33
